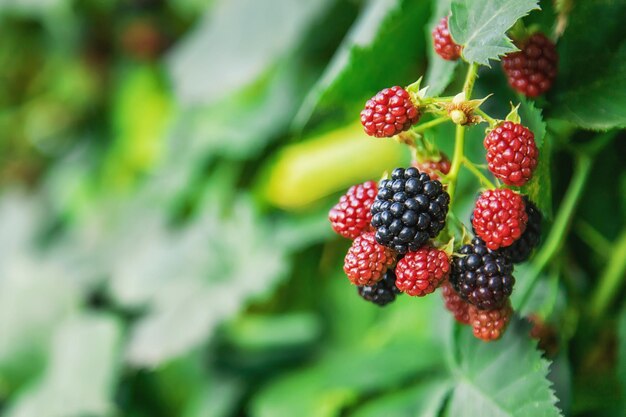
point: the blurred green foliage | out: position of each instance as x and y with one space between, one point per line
166 171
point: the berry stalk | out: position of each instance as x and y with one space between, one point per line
425 126
459 137
478 174
611 279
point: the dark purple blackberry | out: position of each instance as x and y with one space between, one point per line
482 277
383 292
521 249
409 209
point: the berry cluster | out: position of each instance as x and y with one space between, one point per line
530 71
401 242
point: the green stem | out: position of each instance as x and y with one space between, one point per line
492 122
611 279
561 224
478 174
593 239
428 125
470 78
459 137
457 159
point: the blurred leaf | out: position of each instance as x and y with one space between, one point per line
503 378
196 280
81 374
481 25
424 400
216 399
341 377
322 165
390 30
439 72
142 110
273 332
235 44
539 188
591 86
34 292
241 124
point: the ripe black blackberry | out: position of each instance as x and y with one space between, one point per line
383 292
482 277
521 249
409 209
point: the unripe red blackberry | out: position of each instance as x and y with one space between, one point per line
367 261
351 216
532 69
455 304
499 217
489 325
511 153
420 272
389 112
383 292
433 168
409 209
482 277
521 249
443 43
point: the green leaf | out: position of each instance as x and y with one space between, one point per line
218 57
387 30
424 400
481 25
532 118
503 378
590 89
369 350
81 374
539 188
339 378
196 280
597 104
439 72
35 292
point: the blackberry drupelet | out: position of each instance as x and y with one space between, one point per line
351 216
499 217
533 68
419 273
367 261
410 208
383 292
489 325
443 43
389 112
455 304
482 277
522 248
512 154
434 168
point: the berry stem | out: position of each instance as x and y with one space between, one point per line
432 123
468 86
492 122
611 279
457 159
478 174
561 224
459 140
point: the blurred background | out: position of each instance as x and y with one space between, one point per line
166 169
